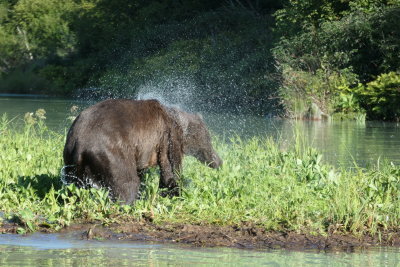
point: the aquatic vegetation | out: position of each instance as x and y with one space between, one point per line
259 183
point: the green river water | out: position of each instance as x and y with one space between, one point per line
58 250
342 144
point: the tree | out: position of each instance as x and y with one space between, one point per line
43 27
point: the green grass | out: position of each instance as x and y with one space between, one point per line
259 183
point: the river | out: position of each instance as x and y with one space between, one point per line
59 250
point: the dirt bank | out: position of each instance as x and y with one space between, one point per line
244 236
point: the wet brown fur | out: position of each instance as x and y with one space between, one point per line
111 143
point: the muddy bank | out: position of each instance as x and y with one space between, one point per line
244 236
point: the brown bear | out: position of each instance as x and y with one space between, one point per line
110 143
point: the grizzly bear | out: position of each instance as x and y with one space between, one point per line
110 144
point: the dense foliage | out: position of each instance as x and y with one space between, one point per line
331 47
238 54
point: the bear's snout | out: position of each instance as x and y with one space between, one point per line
217 161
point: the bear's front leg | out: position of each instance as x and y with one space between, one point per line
170 161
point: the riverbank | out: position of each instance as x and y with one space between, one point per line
265 195
243 237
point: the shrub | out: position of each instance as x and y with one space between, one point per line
381 97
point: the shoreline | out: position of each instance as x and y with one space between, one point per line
245 236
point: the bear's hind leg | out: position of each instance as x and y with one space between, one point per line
124 184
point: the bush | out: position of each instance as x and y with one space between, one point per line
381 97
329 90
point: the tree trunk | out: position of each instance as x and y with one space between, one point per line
25 39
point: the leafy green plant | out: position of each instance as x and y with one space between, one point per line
27 218
381 97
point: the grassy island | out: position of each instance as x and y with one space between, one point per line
289 190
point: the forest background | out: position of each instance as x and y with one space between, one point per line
284 57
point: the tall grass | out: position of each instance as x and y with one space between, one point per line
291 190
